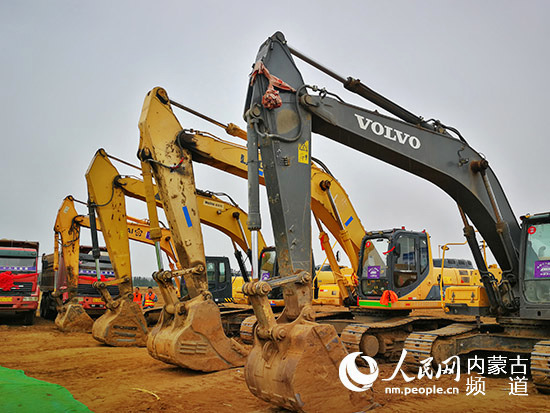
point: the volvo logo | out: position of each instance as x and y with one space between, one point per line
348 370
388 132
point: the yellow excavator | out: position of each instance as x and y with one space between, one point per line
71 316
71 313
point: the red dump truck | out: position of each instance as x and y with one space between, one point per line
19 291
87 295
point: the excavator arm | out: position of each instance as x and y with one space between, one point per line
123 323
67 236
190 333
71 316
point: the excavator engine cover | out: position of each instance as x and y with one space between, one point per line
193 338
73 317
122 326
300 371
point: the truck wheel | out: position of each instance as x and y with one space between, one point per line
46 310
28 318
43 305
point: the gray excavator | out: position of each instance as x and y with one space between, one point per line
294 361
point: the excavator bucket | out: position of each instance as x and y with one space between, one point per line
282 373
295 364
194 338
72 317
122 326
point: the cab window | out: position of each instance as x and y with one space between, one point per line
537 264
374 267
423 256
211 271
267 264
222 272
405 269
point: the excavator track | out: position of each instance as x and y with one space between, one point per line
384 338
540 366
233 318
420 345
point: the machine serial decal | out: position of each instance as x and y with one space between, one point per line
213 204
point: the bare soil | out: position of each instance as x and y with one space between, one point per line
108 379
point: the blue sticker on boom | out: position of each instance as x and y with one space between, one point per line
349 221
187 217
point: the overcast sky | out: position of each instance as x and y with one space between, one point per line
74 76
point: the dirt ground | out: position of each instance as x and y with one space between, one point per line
108 379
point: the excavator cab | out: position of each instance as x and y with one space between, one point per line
536 267
395 260
218 272
269 269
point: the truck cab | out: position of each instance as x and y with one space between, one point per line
88 296
19 292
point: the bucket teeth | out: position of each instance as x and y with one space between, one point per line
74 318
195 340
122 327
